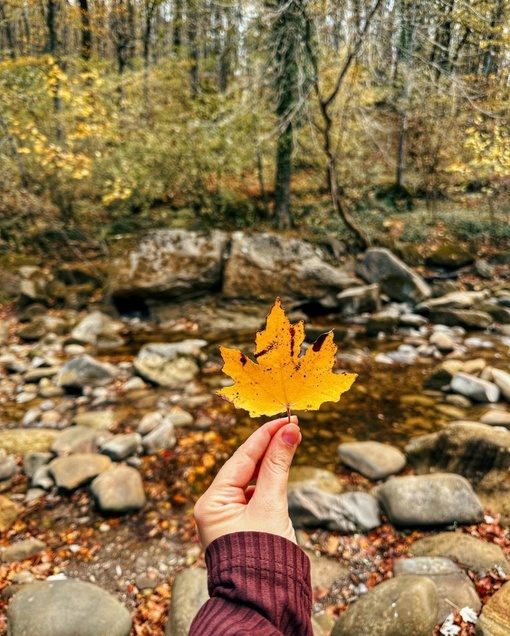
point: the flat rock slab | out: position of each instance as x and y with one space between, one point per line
452 584
25 440
319 478
347 512
469 552
75 439
403 606
429 500
372 459
189 593
85 371
495 617
76 470
119 490
62 608
22 550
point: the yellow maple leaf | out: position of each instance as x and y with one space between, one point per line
281 379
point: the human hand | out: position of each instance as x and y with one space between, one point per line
231 504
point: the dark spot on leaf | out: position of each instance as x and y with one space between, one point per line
317 345
244 360
257 354
292 331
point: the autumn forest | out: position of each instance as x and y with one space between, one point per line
327 114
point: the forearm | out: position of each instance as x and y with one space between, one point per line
259 584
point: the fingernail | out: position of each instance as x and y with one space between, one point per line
291 435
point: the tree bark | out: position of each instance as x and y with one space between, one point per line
86 32
8 32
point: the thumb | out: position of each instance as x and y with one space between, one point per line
273 474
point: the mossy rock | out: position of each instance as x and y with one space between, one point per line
450 256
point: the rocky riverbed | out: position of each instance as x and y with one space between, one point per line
110 429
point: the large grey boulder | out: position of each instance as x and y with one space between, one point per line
75 439
452 584
346 512
119 490
263 266
469 552
76 470
168 265
85 371
396 279
403 606
189 593
372 459
495 617
65 608
429 500
478 452
169 364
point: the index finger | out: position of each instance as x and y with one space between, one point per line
240 469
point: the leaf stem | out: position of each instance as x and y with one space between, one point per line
288 412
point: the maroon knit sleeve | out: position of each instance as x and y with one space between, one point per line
259 585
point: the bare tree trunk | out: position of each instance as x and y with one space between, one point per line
8 32
86 32
193 50
177 26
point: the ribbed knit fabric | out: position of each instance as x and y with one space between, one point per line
259 585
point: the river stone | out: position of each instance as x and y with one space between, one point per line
170 365
382 321
122 446
452 584
167 265
42 478
161 438
85 371
499 313
403 606
502 380
97 329
469 552
442 341
9 511
149 422
23 549
32 331
478 452
36 375
372 459
358 300
32 461
428 500
496 417
97 420
474 388
189 593
24 440
467 318
396 279
75 439
455 300
75 470
119 490
8 466
442 375
62 608
346 512
181 418
317 478
495 617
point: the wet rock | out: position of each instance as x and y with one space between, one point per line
495 617
347 512
8 466
474 388
502 381
358 300
403 606
122 446
99 330
23 440
161 438
372 459
75 439
9 511
317 478
263 266
119 490
97 420
478 452
428 500
459 401
452 584
61 608
76 470
24 549
189 593
496 418
469 552
467 318
396 279
167 265
169 364
84 371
